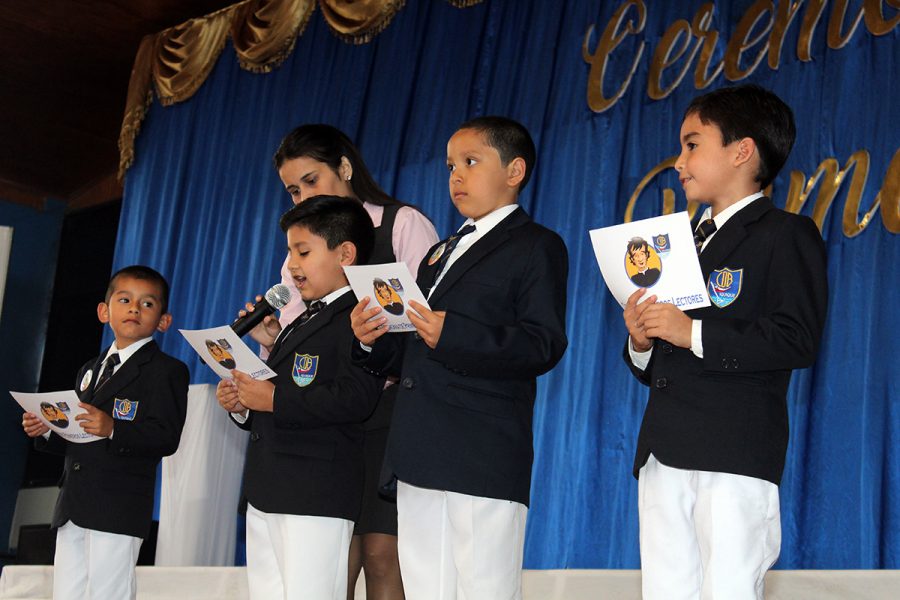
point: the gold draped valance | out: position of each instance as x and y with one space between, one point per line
178 60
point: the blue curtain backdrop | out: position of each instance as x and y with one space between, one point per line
202 202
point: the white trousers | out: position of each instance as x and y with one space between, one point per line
94 565
454 546
704 535
297 557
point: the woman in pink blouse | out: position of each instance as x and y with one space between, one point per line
320 159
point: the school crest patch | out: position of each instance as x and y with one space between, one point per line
124 409
305 367
724 286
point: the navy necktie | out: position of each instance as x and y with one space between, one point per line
312 309
449 246
704 230
108 368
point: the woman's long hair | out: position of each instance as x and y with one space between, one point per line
328 144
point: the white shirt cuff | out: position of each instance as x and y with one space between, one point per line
639 359
697 338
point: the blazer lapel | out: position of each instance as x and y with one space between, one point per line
129 370
301 333
87 395
731 235
481 248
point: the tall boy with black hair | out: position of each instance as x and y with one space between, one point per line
460 448
136 400
303 477
712 444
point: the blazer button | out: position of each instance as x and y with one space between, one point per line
734 363
661 383
254 436
76 467
408 383
667 349
416 335
725 363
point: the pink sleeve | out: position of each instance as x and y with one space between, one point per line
296 306
292 309
413 235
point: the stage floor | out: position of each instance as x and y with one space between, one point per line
230 583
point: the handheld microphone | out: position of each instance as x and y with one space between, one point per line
276 298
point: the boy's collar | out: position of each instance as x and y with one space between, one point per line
489 220
129 351
332 296
730 210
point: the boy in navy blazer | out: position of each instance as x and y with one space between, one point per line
136 398
712 444
460 449
303 476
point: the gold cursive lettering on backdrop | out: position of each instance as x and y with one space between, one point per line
827 178
759 34
610 39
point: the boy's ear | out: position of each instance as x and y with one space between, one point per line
103 312
345 169
348 254
746 148
515 172
165 322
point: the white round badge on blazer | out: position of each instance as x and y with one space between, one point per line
436 255
86 380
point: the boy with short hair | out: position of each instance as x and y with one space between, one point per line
136 398
460 448
303 477
712 444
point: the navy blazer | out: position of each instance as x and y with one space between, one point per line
306 456
109 485
727 412
463 418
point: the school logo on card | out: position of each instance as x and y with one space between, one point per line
436 255
86 380
305 367
124 409
395 283
661 243
724 286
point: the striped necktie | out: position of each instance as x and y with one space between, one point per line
109 368
704 230
450 245
312 309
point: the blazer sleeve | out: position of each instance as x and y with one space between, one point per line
247 424
641 375
158 432
787 333
535 339
385 358
350 397
53 444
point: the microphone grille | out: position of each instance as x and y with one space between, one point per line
278 296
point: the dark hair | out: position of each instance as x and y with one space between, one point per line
509 138
637 243
336 220
328 144
145 273
754 112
